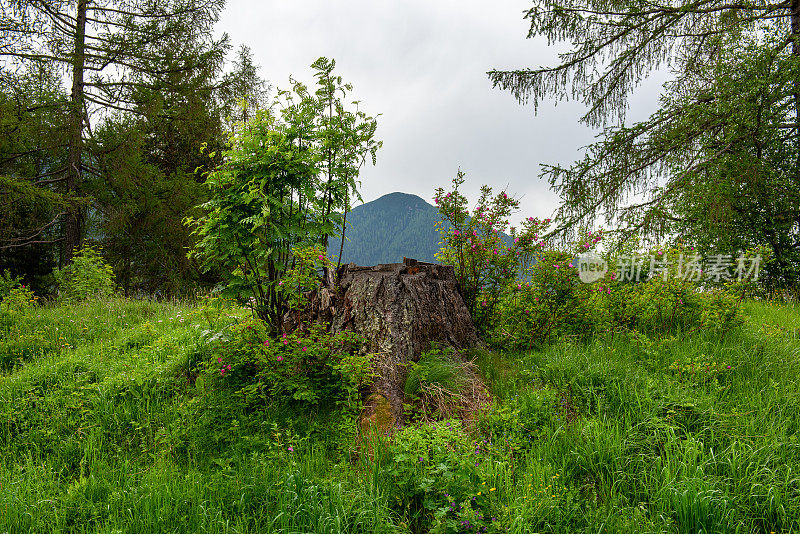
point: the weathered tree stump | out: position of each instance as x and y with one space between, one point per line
400 308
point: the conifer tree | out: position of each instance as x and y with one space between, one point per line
109 51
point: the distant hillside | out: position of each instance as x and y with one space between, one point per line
386 229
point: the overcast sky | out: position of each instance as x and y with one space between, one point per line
422 65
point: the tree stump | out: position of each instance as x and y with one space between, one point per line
400 308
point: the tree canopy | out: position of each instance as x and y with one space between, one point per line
717 164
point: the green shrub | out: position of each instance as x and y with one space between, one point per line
554 303
300 373
88 276
15 302
438 480
720 310
310 368
660 306
8 283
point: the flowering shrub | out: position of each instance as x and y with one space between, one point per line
474 244
554 302
311 368
669 300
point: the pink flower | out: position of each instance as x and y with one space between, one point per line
222 372
266 343
303 349
321 257
280 358
290 448
219 360
571 265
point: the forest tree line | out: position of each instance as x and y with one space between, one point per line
113 114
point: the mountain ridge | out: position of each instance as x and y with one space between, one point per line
389 228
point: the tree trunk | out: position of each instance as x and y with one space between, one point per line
400 309
72 222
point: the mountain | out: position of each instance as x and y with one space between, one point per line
386 229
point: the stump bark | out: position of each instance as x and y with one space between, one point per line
400 309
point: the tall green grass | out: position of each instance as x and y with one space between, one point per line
104 429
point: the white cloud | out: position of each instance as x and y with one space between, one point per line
422 65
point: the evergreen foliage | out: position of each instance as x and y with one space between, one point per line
718 164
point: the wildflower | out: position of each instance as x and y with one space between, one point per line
266 343
219 360
290 448
280 358
303 349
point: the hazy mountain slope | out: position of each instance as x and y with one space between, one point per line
386 229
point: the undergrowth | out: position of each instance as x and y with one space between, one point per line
110 422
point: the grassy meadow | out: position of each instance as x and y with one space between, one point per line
108 424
